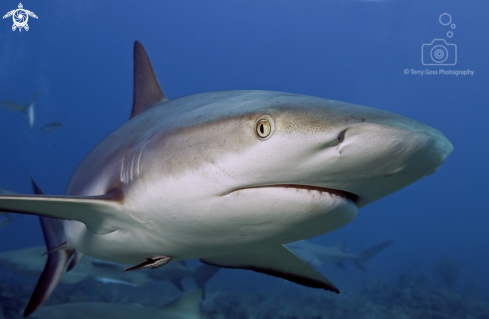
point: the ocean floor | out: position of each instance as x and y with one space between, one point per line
437 296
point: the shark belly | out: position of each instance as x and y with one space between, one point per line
206 224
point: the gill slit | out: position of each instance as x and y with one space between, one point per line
132 167
139 160
122 170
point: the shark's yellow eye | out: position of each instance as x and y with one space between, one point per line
264 127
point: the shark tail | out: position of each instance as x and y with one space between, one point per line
366 255
57 260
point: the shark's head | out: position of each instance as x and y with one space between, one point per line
272 139
313 143
265 155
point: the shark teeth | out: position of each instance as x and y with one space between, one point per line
333 192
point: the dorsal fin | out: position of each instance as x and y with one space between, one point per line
147 90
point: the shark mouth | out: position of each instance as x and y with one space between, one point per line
346 195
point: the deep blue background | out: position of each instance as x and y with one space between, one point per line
79 54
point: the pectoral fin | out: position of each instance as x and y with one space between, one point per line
278 261
97 212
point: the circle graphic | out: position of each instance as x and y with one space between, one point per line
439 54
406 71
20 16
445 19
449 34
453 26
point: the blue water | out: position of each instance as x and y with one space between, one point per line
80 55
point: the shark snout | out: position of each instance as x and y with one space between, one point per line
438 150
378 159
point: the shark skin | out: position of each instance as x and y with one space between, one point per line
185 307
229 177
317 255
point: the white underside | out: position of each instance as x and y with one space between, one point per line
216 225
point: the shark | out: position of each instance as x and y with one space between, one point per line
185 307
227 177
317 255
28 109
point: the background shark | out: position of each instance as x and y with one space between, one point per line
227 177
28 109
317 255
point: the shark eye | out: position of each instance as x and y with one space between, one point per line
264 127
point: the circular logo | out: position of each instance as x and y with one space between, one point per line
20 18
439 54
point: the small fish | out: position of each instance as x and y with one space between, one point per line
28 110
51 127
